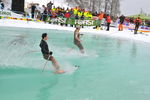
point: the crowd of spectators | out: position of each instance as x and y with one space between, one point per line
49 12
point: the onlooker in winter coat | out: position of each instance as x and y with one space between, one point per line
101 16
44 14
67 15
49 6
137 22
108 20
33 7
122 18
76 16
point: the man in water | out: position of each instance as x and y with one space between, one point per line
77 40
48 54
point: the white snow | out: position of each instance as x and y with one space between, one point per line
126 34
12 14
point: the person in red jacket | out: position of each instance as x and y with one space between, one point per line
137 22
67 15
54 15
101 16
108 20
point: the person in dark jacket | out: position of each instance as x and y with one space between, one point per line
33 7
137 22
122 18
76 17
48 54
45 13
49 6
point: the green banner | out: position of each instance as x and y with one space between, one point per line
70 21
73 21
5 13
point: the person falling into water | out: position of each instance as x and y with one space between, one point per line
77 40
48 54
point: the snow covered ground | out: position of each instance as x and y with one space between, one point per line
8 13
126 34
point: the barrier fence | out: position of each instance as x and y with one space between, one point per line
62 20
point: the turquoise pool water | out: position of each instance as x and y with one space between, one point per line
111 69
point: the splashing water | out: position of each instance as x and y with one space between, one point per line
111 68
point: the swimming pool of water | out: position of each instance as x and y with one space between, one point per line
111 68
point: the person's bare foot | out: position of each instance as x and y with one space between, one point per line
59 71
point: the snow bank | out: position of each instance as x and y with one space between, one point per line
126 34
8 13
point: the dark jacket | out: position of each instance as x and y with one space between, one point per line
49 5
44 47
122 18
33 8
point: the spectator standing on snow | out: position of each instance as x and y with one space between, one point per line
38 11
67 16
137 22
101 16
122 18
33 7
49 6
108 20
44 13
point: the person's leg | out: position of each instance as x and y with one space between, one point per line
138 27
100 23
82 51
108 25
32 14
135 30
67 21
79 45
81 48
54 63
56 66
121 27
